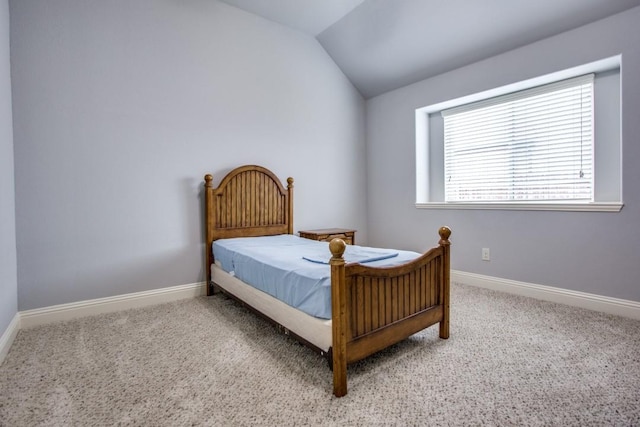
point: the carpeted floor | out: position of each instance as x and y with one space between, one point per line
206 361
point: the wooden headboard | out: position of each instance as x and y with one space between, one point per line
250 201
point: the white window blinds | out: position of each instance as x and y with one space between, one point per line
533 145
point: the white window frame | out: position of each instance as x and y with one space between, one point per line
422 148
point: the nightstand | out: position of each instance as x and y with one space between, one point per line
326 234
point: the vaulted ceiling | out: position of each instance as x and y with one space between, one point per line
382 45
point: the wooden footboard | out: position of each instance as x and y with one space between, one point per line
373 308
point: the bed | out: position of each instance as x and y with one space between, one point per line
372 307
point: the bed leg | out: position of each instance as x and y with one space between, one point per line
445 233
339 378
444 330
212 289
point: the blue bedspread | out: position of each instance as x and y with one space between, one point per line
294 269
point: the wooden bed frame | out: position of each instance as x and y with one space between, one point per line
372 308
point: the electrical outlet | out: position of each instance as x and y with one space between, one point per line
486 255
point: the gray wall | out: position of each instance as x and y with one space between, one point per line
8 278
121 107
591 252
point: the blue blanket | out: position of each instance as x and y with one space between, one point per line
352 253
279 266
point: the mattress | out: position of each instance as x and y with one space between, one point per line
295 270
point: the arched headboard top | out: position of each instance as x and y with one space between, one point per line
249 201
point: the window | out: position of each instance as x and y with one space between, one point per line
547 143
533 145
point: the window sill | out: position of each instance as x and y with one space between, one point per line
527 206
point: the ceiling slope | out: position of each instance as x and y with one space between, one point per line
382 45
309 16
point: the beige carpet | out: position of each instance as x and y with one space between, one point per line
206 361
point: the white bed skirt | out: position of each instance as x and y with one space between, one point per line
316 331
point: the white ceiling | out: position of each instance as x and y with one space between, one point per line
309 16
382 45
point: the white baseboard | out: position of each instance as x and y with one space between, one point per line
8 336
619 307
45 315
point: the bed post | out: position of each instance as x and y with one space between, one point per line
209 218
444 242
290 212
338 318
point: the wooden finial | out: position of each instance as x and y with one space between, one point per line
444 232
289 182
337 247
208 178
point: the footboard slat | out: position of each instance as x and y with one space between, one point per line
433 291
381 301
388 287
415 292
400 298
374 303
359 297
394 301
366 305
